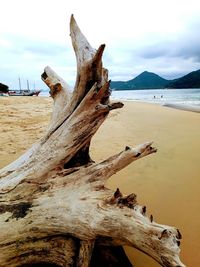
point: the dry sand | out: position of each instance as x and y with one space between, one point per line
168 182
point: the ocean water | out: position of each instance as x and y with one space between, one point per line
161 96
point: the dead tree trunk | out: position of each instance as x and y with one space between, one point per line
54 206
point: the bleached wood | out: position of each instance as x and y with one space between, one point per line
53 200
60 92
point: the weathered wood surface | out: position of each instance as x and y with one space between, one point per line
54 206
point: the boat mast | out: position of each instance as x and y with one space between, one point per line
28 86
20 87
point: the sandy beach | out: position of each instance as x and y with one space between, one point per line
168 182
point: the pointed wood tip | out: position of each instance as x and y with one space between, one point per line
102 47
74 28
99 53
117 193
72 19
83 50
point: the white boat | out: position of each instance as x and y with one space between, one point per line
22 92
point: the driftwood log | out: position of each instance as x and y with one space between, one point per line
54 207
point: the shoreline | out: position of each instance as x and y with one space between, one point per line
184 107
186 99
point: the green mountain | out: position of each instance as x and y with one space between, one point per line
3 88
146 80
191 80
149 80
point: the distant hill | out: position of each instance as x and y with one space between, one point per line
150 80
191 80
146 80
3 88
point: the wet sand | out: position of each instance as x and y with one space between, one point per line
185 107
168 182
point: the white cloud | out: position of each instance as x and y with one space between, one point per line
34 34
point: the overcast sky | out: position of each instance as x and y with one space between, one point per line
154 35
